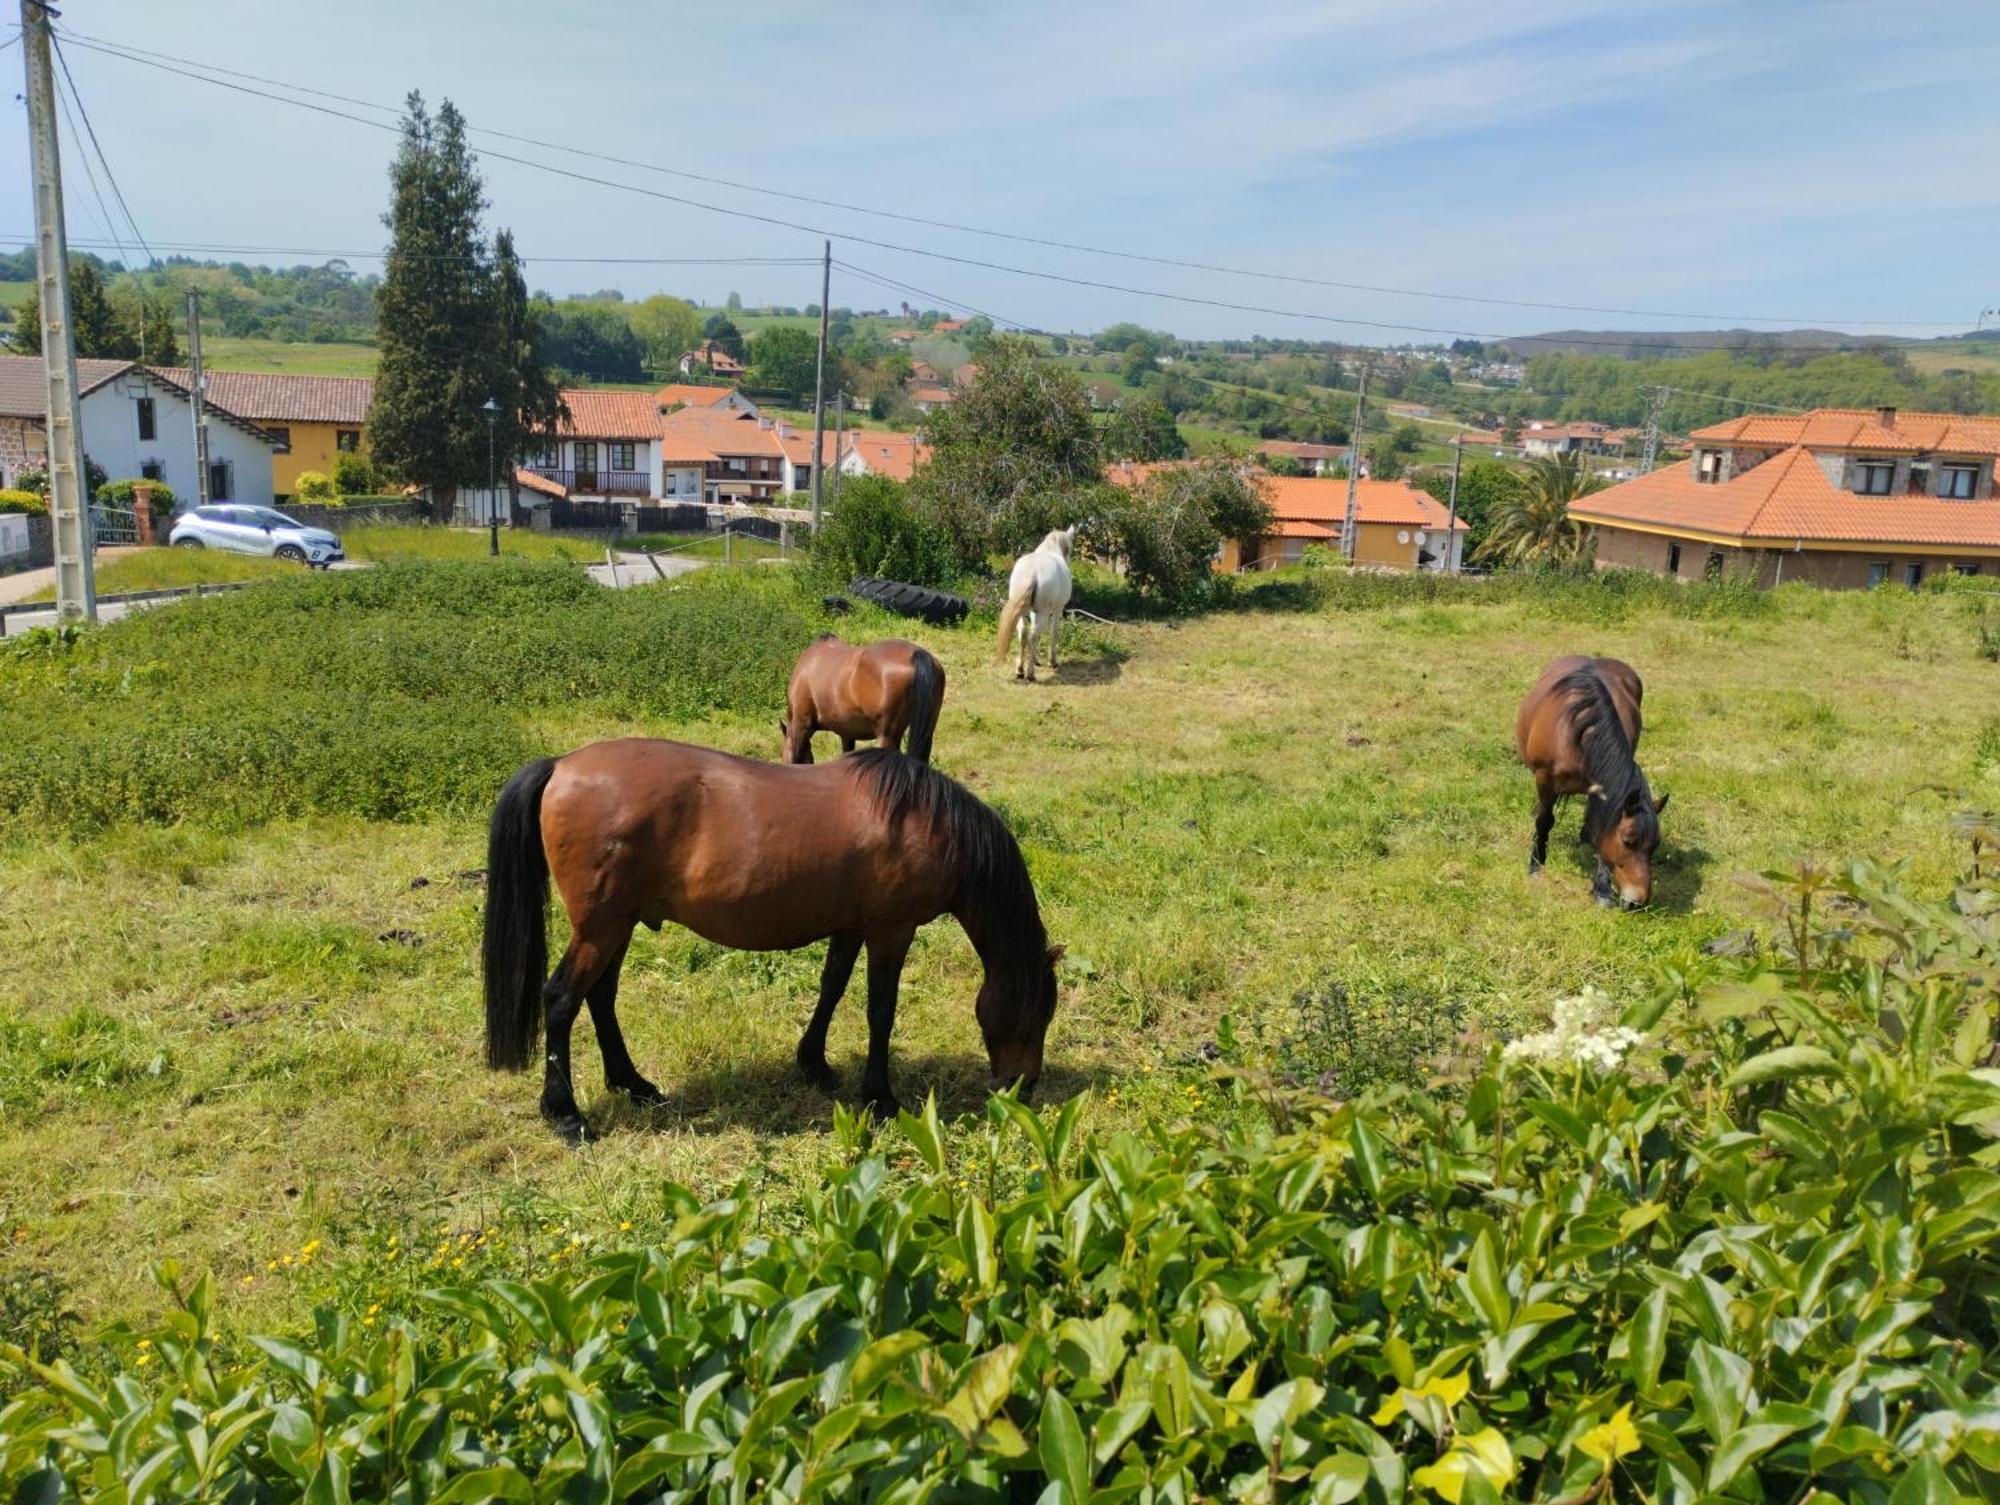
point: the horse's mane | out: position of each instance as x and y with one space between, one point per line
1608 760
993 876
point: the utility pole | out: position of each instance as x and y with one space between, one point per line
1655 411
194 398
1451 559
819 386
76 582
839 412
1348 528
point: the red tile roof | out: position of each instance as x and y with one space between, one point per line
1860 429
687 395
931 394
698 435
24 389
596 414
884 452
280 397
1313 499
1786 500
531 482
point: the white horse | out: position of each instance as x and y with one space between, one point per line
1037 592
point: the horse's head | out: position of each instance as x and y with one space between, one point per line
1014 1013
1064 539
1626 843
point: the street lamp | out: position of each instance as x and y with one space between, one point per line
492 411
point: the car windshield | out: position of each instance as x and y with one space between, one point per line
274 518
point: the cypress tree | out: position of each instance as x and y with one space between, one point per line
522 381
433 313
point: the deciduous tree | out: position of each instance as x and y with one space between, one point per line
668 327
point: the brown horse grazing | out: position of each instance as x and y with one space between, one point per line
882 690
760 857
1578 732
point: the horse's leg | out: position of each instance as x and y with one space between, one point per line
885 976
1054 623
1031 643
576 975
846 745
841 952
620 1075
1545 819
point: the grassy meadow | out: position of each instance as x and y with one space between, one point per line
240 1024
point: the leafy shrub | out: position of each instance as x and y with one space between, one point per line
37 480
29 502
1752 1260
875 531
1168 528
353 473
122 494
1343 1036
394 692
313 486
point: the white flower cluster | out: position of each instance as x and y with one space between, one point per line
1581 1034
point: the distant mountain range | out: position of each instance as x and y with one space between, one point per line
1635 344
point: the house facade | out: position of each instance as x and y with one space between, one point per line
1539 437
685 395
1313 459
1844 498
610 448
1397 526
312 418
882 452
135 422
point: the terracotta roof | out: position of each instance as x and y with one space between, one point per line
930 394
798 444
1138 472
698 435
1313 499
1860 429
1787 500
278 397
1298 528
965 375
1300 451
531 482
947 326
595 414
883 452
24 391
687 395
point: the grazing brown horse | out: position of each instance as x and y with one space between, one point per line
882 690
760 857
1578 732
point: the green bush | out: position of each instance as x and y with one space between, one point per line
875 531
395 692
312 486
23 501
122 494
353 473
1737 1246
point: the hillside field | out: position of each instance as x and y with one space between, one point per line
254 1048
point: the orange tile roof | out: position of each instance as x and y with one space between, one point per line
1316 499
798 443
932 394
885 452
947 326
597 414
1787 500
687 395
1299 528
1138 472
531 482
279 397
697 435
1860 429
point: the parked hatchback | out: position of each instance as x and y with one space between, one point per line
255 530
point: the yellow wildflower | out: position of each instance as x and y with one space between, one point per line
626 1226
1451 1389
145 1342
1612 1440
1485 1451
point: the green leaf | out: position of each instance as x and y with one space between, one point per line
925 1134
778 1403
1483 1282
1279 1408
1782 1065
502 1482
1721 1383
1563 1120
1062 1450
875 1362
975 1243
988 1380
1924 1483
1340 1479
1743 1447
788 1323
1646 1341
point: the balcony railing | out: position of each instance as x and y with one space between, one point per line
598 482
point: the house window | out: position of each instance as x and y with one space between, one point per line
152 470
146 427
1673 559
282 435
1709 470
1878 572
622 457
347 440
1913 574
220 474
1960 482
1874 477
736 462
1965 569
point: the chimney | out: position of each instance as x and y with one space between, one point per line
764 421
1886 417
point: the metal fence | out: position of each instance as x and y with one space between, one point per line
684 518
568 514
113 525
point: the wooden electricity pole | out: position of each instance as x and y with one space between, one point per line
76 583
819 387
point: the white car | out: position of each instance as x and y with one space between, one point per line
255 530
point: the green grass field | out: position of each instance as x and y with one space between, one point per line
226 353
255 1049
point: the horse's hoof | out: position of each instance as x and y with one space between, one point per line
884 1108
1534 868
644 1094
572 1131
819 1075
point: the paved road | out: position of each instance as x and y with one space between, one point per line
20 586
634 569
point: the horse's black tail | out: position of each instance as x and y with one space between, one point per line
516 951
926 700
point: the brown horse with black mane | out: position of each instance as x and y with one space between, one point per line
760 857
881 690
1578 732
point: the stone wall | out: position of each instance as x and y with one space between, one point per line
41 547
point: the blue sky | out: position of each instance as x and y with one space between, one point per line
1814 160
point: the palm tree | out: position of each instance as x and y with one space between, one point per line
1532 525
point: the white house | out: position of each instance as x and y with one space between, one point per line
136 423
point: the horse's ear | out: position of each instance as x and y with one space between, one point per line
1661 803
1056 954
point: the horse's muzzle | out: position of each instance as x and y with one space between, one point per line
1022 1087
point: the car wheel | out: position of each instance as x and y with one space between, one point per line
189 543
291 553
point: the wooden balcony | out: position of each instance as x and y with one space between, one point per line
598 482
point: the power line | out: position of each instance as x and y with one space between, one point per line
217 249
938 299
104 215
96 146
138 55
971 261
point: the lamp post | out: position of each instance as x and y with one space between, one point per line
492 411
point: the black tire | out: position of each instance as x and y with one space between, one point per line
189 543
939 608
291 553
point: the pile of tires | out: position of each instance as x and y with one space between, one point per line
939 608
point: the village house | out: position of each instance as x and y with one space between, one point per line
882 452
1314 459
715 360
136 423
720 456
610 448
1541 437
683 395
1841 497
1397 526
312 418
929 397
